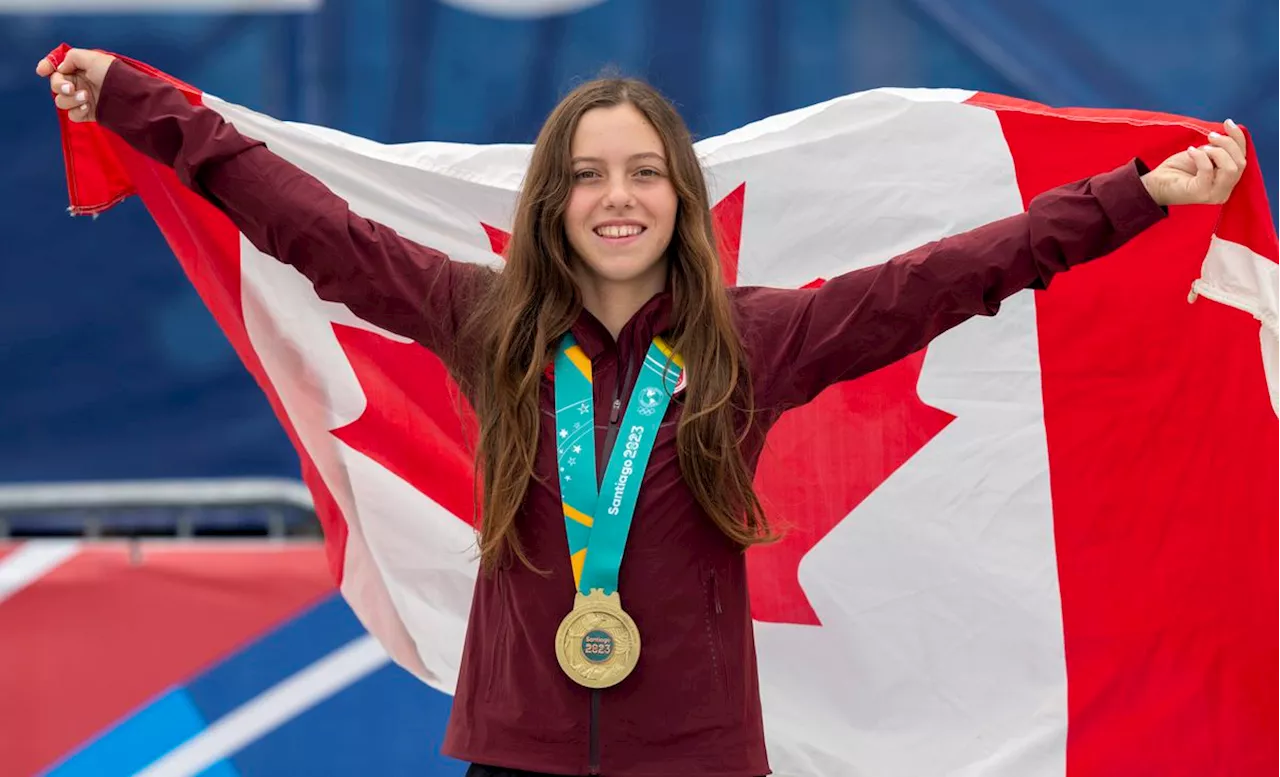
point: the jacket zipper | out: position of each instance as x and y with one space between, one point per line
595 732
615 411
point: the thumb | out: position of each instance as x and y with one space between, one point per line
45 68
73 61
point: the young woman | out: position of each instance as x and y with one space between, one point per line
623 395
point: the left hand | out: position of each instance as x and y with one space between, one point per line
1201 175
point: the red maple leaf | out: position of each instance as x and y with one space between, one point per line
820 462
424 435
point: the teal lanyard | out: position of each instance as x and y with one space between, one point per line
597 521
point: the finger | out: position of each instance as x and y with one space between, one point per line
71 92
1203 165
72 62
44 68
68 101
1237 134
1229 145
61 84
1182 162
1222 160
79 114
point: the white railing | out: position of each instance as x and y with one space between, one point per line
185 498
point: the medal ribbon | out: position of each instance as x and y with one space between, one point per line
597 521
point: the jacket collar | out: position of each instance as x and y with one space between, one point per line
652 319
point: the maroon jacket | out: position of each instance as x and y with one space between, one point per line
692 705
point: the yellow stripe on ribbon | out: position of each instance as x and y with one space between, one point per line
667 352
580 361
576 514
578 559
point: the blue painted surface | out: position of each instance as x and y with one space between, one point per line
291 648
389 724
140 740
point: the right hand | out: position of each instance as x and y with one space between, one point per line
77 82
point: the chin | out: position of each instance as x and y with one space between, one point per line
617 270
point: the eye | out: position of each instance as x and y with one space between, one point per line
648 172
583 175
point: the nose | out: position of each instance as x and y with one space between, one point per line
618 194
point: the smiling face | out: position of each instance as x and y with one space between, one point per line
622 207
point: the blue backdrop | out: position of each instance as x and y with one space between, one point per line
111 368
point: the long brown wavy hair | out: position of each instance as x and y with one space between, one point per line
533 301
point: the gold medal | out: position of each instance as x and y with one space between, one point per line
597 643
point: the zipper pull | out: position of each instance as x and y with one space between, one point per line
613 412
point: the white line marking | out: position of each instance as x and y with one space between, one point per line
255 718
31 561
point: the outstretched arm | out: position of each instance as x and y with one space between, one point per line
808 339
384 278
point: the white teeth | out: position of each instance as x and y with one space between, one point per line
619 230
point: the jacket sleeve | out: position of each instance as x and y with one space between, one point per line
804 340
383 278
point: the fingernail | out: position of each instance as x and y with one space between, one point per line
1214 135
66 88
1229 123
81 96
84 107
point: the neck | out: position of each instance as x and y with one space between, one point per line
615 303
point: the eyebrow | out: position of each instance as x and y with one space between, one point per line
632 158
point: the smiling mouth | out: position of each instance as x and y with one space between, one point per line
618 231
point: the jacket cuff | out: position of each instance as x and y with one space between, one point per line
1124 198
122 88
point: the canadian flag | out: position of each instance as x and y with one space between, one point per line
1047 545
